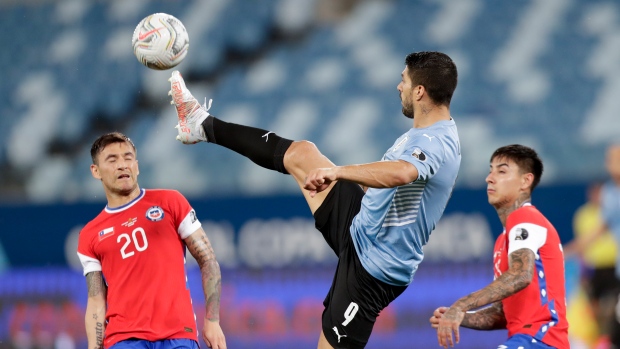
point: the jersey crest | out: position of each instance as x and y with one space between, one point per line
155 213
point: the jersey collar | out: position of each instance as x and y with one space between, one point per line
127 205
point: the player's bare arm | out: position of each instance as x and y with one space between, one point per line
516 278
199 246
380 174
489 318
95 309
486 319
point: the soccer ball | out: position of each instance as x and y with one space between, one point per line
160 41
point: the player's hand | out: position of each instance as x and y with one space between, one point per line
448 323
319 179
213 335
434 320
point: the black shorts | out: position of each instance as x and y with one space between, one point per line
602 283
355 298
614 328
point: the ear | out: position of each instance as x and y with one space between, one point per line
419 92
526 182
137 168
94 170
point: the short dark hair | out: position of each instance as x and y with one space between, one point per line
436 72
107 139
525 157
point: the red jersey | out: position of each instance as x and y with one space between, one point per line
139 248
539 310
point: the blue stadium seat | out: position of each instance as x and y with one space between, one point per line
97 87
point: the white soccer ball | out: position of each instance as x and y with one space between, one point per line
160 41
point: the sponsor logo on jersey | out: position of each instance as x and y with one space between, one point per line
192 215
130 222
107 232
522 234
155 213
418 154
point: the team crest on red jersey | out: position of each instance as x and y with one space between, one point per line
155 213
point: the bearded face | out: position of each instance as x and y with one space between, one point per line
407 107
405 89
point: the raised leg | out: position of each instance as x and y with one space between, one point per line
263 147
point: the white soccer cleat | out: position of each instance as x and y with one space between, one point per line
189 111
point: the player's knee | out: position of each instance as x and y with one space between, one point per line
299 152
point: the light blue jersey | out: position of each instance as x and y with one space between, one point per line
394 223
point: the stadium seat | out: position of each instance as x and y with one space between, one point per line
238 53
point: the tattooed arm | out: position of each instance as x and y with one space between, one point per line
95 309
490 318
517 277
199 246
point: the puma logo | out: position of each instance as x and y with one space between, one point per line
430 138
338 334
266 135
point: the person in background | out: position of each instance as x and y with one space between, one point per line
610 213
598 260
